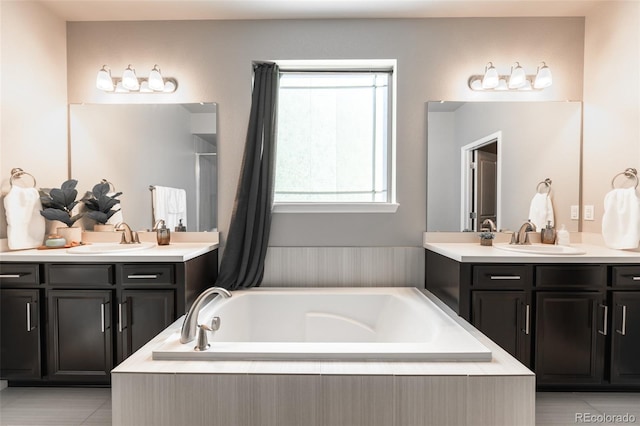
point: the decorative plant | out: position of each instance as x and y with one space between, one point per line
487 235
100 204
59 203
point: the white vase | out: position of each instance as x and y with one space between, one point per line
70 234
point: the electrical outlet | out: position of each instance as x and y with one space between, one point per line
588 212
575 213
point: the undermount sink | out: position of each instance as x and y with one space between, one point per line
102 248
540 249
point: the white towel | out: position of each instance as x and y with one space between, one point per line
621 219
25 224
170 204
541 210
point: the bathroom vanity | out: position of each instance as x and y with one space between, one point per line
573 319
70 317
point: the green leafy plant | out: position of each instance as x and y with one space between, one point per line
100 204
59 203
487 235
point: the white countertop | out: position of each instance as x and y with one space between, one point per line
474 252
174 252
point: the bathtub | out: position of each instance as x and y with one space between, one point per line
358 324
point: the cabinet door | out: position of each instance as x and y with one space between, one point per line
142 314
20 334
625 355
571 328
505 317
80 345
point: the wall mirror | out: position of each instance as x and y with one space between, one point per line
137 147
528 141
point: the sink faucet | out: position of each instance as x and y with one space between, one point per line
128 236
188 332
522 237
491 225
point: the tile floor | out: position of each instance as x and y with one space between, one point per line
92 406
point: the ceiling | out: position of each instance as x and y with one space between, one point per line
146 10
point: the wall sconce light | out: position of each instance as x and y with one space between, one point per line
517 80
130 83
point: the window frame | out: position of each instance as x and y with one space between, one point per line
382 65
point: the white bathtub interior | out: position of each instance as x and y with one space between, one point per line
329 324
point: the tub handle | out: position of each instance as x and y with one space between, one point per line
505 277
623 328
605 312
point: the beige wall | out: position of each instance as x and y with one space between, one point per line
212 62
611 100
33 123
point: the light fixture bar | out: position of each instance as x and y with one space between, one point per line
131 83
516 81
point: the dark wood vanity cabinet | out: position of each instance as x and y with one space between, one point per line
85 318
577 326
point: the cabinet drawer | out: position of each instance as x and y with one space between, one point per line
80 274
19 274
501 276
571 276
626 276
141 273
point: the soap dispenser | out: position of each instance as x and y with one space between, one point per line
180 227
563 236
548 234
163 233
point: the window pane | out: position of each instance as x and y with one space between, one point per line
332 138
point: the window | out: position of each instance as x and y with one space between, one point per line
334 144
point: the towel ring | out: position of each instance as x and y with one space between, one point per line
630 173
17 173
547 182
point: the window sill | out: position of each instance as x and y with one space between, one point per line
335 207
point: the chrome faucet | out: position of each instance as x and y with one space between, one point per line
522 237
188 332
490 223
128 236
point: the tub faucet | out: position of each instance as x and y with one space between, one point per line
128 236
190 324
491 225
522 237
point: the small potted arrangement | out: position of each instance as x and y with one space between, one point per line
101 206
58 205
486 238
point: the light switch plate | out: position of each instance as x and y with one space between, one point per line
575 213
589 212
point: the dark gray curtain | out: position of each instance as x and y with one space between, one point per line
242 264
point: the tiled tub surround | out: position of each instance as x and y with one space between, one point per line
348 324
332 393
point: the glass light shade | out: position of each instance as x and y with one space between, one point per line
129 79
169 87
490 79
518 78
543 77
502 85
156 82
476 84
104 80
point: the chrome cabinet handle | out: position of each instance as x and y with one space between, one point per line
606 312
120 327
623 329
505 277
29 328
102 316
141 277
636 278
10 275
527 319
